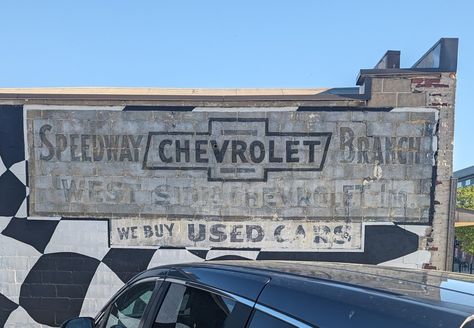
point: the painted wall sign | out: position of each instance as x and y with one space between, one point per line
231 148
262 167
267 234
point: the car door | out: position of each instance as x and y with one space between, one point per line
187 305
206 296
130 307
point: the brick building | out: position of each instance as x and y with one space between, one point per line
465 177
97 184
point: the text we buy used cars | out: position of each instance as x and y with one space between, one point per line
288 294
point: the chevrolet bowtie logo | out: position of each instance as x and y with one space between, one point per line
237 149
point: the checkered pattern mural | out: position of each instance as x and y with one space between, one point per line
53 268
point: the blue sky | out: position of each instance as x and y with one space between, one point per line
229 44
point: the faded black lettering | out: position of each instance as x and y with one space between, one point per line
182 150
46 142
261 151
254 233
200 152
238 149
85 147
347 139
125 152
219 152
311 145
73 147
196 236
236 234
161 151
290 151
217 233
112 146
271 153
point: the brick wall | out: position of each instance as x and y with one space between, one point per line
59 264
432 91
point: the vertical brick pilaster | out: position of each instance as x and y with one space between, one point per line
428 90
441 95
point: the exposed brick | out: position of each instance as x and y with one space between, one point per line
429 266
417 80
426 82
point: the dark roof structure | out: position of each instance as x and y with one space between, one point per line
467 172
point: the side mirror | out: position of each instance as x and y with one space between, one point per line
82 322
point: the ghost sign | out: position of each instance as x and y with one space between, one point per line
273 179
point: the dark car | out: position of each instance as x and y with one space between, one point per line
288 294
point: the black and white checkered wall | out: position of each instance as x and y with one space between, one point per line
52 268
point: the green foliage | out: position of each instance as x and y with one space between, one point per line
465 198
466 237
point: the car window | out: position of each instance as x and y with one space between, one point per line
127 310
187 307
260 319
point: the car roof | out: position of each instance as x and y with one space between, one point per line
451 290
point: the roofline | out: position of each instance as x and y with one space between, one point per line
152 91
464 210
464 173
442 57
185 97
